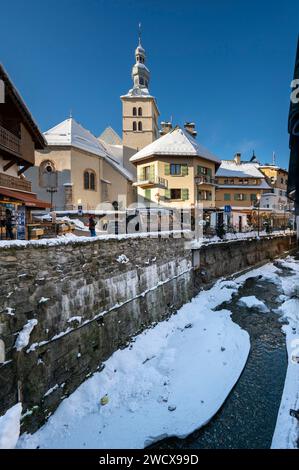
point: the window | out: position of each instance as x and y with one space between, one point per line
140 126
134 126
89 180
240 197
139 111
202 170
175 194
175 169
204 195
134 111
226 196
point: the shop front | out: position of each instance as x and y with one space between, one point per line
15 214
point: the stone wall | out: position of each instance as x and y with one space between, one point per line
90 298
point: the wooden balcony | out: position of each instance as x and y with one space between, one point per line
203 179
9 142
12 182
154 182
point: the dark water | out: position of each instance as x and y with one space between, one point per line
247 419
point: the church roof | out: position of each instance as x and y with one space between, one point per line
71 133
110 136
177 142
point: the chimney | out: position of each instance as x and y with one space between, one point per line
237 158
165 128
190 127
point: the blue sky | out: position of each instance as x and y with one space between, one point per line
225 64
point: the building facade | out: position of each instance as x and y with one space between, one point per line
80 170
176 171
240 185
19 138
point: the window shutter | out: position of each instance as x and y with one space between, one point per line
167 169
209 172
244 197
209 196
152 172
199 169
167 193
236 197
140 174
227 197
184 170
185 194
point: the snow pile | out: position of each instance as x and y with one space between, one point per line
286 432
253 303
123 259
24 335
170 381
10 427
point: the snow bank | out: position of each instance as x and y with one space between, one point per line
10 427
24 335
170 381
287 431
253 303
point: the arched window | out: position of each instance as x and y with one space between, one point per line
141 81
134 126
89 180
139 111
92 181
134 111
140 126
86 179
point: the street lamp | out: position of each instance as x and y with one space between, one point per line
258 204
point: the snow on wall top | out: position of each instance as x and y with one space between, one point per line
71 133
176 142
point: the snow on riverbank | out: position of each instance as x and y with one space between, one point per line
10 427
170 381
286 435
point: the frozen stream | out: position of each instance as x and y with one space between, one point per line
248 417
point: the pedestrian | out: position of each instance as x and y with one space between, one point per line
9 224
92 226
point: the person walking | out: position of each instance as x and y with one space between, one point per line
9 224
92 226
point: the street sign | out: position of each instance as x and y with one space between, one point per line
227 209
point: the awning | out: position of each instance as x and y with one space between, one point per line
29 199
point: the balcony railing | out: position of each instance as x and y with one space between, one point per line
12 182
204 180
9 141
155 181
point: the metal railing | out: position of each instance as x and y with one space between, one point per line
10 141
154 180
202 179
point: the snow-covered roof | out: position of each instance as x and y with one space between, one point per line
177 142
110 136
71 133
138 92
231 169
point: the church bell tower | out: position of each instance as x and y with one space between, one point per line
139 109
